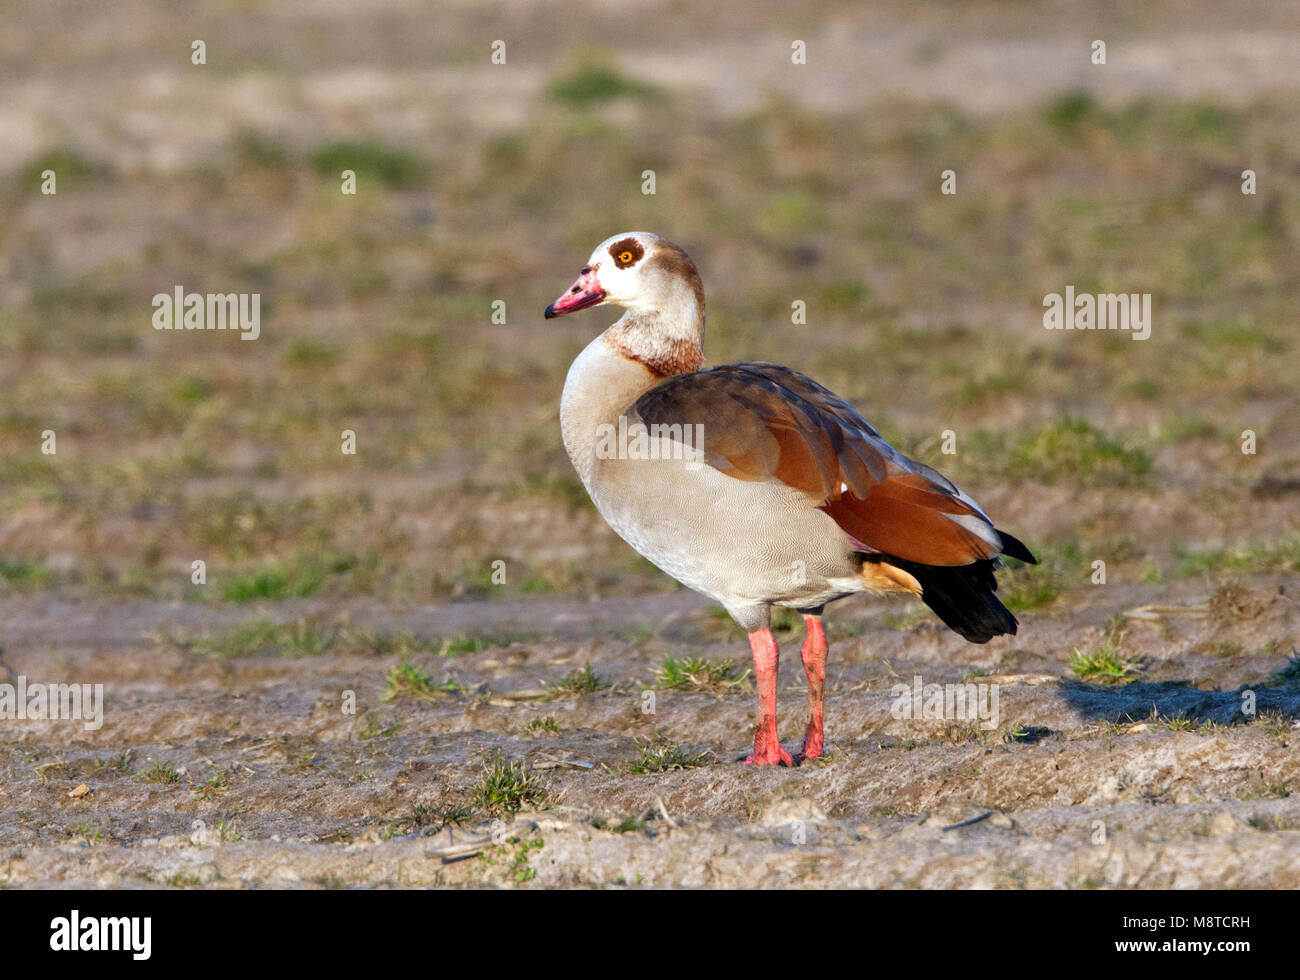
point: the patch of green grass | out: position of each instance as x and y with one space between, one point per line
661 755
1274 723
584 681
160 772
406 680
120 762
1186 428
1279 554
697 674
375 728
547 724
785 216
402 644
430 820
461 643
70 169
1069 111
82 831
536 585
308 353
1147 389
1027 734
565 490
1031 591
506 786
371 161
1289 675
845 297
1234 335
1201 120
191 390
1180 722
275 583
1105 666
1269 822
228 831
304 761
26 574
1023 586
259 638
519 871
596 80
1074 451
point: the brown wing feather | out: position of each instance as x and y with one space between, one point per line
766 422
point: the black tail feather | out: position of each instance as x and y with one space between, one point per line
963 596
1016 548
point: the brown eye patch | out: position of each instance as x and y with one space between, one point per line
626 252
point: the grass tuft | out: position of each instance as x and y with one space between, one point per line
1289 675
697 674
584 681
506 787
371 161
661 755
160 772
1105 666
406 680
594 81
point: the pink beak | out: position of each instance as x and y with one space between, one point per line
583 293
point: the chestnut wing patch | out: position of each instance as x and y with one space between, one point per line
765 422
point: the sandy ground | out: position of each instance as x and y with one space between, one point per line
1095 790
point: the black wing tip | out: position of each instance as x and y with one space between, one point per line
1016 548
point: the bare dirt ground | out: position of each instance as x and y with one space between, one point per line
1161 783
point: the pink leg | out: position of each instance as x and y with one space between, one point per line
814 668
767 744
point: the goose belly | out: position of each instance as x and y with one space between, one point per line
737 542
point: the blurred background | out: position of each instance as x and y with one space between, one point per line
480 182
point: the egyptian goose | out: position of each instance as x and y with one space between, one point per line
753 484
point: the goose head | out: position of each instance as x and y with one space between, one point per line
641 272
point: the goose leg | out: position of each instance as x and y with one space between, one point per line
813 653
767 743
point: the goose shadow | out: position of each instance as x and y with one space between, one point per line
1166 700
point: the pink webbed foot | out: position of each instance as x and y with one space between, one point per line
779 758
813 744
768 751
814 667
767 743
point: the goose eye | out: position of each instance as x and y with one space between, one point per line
626 252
